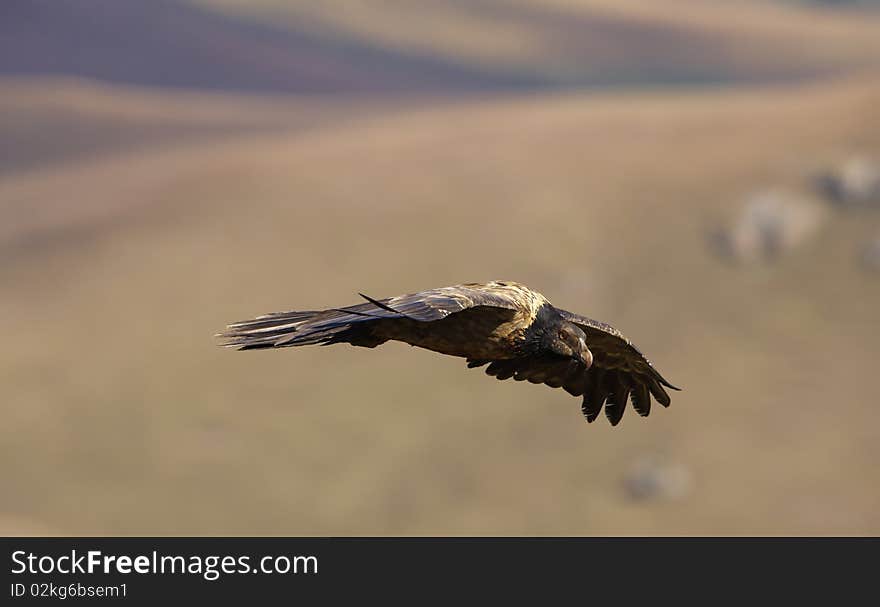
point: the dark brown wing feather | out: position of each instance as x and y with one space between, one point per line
625 372
554 372
619 373
353 324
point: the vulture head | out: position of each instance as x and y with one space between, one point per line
566 339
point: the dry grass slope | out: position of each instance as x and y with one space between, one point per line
49 121
595 41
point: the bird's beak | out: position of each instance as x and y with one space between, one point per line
585 357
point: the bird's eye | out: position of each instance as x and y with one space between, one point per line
561 335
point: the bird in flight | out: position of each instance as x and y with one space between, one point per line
505 325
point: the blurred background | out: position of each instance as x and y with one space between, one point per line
702 174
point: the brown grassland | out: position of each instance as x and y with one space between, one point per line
122 416
595 41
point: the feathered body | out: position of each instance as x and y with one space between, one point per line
505 325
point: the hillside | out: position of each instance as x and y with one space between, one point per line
50 121
268 46
170 43
132 421
597 42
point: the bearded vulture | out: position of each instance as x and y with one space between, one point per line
502 324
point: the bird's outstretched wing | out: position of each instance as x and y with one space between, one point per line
619 373
353 324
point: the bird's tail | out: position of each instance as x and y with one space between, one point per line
299 328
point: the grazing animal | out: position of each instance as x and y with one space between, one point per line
505 325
